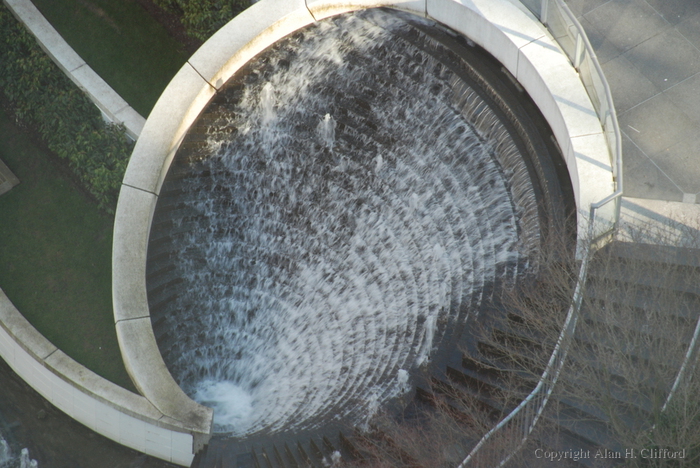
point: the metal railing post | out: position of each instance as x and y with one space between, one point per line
578 53
544 10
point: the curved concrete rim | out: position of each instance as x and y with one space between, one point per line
504 28
108 409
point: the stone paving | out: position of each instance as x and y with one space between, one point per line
650 53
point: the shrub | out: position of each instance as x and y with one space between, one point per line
41 97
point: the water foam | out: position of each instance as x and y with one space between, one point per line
232 404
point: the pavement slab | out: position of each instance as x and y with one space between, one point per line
686 96
628 85
656 124
665 59
674 11
626 23
680 163
650 53
643 178
690 29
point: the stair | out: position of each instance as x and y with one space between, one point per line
624 280
280 452
641 302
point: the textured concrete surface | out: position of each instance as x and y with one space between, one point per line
650 53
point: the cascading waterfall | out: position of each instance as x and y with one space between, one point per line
338 211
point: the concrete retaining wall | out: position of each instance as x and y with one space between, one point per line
104 407
506 29
113 107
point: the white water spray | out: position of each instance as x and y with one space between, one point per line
7 460
315 282
326 131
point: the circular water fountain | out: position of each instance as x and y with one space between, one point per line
337 215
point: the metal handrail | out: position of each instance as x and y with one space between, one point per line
576 62
520 423
689 360
524 417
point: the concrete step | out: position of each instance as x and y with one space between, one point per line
677 256
644 299
655 275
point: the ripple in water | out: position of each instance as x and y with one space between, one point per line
354 203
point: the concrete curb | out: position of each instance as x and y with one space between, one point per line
506 30
113 107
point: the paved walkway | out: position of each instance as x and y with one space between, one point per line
650 54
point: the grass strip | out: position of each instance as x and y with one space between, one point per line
55 257
129 49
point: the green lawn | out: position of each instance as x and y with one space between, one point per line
121 42
55 257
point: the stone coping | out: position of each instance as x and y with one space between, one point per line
505 29
113 107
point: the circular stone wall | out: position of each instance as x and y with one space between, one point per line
504 28
337 214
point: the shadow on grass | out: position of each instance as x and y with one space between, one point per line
55 257
128 48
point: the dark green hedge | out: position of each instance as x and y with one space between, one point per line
202 18
43 98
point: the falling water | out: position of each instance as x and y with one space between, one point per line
267 104
25 461
353 204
